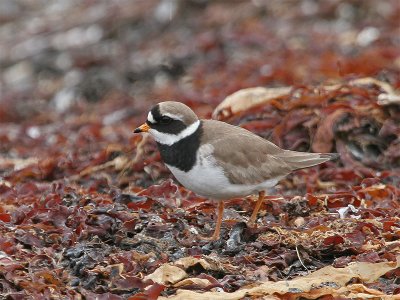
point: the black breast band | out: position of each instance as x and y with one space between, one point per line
182 154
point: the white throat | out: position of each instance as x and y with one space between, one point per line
169 139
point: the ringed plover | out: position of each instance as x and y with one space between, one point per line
220 161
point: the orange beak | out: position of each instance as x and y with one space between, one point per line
142 128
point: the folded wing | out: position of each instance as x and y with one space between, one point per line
249 159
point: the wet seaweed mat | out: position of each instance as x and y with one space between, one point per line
88 210
87 236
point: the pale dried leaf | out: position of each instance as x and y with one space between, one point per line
167 275
189 261
247 98
360 291
326 281
207 263
199 282
17 163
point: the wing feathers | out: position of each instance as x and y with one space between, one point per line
299 160
249 159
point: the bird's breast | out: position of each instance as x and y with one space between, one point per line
183 153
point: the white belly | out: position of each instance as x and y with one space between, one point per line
207 179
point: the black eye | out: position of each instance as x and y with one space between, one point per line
165 120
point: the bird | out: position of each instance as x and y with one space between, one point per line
220 161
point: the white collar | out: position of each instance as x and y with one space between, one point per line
169 138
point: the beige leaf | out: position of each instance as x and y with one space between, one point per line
189 261
326 281
207 263
167 275
200 283
363 292
247 98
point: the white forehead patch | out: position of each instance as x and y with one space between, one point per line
169 139
150 118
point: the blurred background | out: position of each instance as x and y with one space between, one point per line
87 207
63 57
78 76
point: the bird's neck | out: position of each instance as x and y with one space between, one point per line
182 154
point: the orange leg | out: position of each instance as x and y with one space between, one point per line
217 231
256 208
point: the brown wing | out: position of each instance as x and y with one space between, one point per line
245 157
299 160
249 159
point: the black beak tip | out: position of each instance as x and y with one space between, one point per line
137 130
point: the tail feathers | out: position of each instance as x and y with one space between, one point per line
300 160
